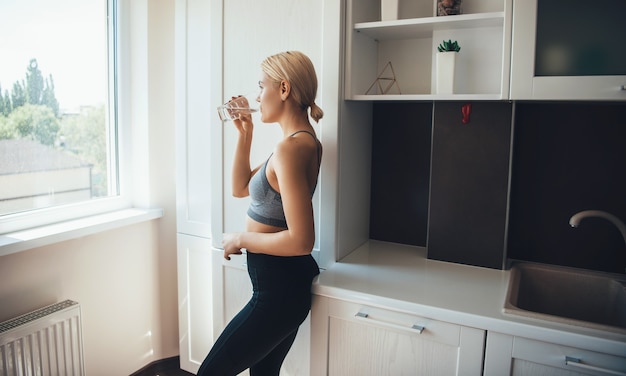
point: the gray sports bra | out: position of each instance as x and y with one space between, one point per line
266 205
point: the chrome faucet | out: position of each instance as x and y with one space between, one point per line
576 218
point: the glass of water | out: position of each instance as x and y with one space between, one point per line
241 105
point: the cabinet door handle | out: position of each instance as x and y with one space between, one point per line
414 328
578 363
623 87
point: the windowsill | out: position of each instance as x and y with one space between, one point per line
41 236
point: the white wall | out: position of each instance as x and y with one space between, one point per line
125 279
112 275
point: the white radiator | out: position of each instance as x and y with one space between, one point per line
45 342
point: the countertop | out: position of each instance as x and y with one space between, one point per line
402 278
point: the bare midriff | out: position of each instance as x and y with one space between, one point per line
254 226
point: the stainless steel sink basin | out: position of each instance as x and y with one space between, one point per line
569 296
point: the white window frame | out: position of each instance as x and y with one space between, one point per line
38 227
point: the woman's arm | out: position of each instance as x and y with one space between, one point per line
242 173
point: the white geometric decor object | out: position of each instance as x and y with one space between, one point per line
385 81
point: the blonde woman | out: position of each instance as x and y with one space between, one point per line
280 232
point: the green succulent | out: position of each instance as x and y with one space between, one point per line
449 45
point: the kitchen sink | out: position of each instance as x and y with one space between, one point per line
567 295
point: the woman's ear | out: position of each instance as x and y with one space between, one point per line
285 89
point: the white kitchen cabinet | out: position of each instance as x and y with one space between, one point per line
219 48
568 52
198 146
356 339
410 44
312 27
197 29
518 356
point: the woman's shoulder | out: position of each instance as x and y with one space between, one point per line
300 141
296 146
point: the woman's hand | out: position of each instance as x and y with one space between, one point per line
243 120
230 242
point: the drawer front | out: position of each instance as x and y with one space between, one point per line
365 340
530 353
425 328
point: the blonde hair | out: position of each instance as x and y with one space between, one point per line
297 69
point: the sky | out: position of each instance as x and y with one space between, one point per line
67 37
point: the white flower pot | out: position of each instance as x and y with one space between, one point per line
388 10
446 62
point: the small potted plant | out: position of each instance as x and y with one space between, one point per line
446 62
449 46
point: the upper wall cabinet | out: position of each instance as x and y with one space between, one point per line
391 50
568 50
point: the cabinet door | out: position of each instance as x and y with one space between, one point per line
562 50
532 357
195 300
365 340
516 356
198 137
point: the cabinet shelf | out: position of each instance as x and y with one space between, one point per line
426 97
423 27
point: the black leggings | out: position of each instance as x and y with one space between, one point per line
262 333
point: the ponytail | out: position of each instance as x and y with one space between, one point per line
316 112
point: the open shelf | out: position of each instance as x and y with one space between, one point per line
424 27
424 97
410 45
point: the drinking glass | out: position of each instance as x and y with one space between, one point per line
241 105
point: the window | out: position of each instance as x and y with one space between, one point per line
58 111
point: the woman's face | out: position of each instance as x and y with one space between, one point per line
269 99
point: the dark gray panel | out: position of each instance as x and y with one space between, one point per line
469 183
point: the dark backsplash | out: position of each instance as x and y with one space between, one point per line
567 157
400 172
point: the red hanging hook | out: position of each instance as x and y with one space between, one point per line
466 110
